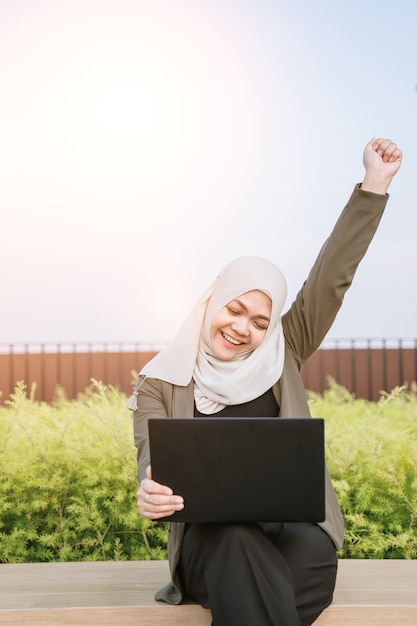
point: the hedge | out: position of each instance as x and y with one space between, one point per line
68 476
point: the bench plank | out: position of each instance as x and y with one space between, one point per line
122 592
195 616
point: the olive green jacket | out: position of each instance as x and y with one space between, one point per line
305 325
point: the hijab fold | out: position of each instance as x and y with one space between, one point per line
218 383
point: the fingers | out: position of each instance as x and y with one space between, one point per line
387 150
155 500
155 507
382 159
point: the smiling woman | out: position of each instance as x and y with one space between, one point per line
240 326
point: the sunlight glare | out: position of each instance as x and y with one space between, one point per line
126 110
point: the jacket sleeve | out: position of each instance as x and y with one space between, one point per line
150 403
314 309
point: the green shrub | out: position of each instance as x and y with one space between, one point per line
68 476
371 451
68 481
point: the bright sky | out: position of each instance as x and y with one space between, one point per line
145 143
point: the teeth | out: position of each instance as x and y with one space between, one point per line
229 338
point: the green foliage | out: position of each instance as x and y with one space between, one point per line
68 481
371 453
68 476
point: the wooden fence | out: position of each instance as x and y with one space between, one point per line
365 367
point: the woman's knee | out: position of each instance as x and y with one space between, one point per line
216 535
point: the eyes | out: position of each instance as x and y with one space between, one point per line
236 311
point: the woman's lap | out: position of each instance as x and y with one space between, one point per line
266 574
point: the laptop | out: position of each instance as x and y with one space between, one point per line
241 469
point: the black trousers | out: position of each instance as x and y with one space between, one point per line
270 574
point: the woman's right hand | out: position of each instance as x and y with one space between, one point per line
155 500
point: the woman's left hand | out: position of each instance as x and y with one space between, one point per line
382 160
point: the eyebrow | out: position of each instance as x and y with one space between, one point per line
259 316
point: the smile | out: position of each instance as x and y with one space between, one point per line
230 339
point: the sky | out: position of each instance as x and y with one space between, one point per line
146 143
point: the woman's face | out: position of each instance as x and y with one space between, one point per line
240 326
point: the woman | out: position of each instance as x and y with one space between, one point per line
236 354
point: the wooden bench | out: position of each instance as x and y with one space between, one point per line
368 593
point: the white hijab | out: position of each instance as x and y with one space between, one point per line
219 383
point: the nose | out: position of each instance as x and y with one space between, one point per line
241 325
